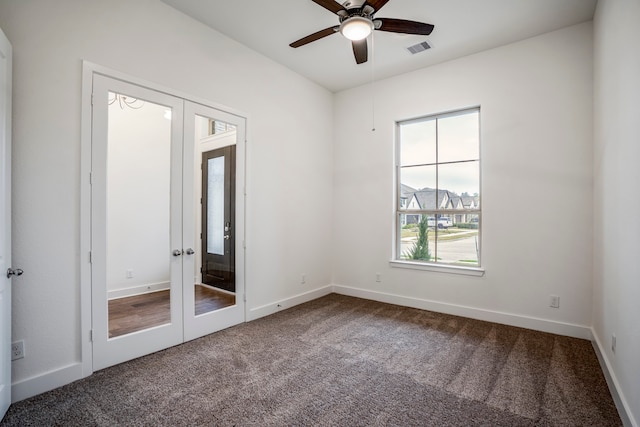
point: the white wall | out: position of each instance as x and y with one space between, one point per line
288 173
616 202
138 198
536 139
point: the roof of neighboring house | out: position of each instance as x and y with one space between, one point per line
427 198
456 202
468 201
406 191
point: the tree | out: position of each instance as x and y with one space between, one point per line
420 249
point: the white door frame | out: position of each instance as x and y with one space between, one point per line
5 223
90 69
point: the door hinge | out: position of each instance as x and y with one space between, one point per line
90 257
244 244
244 297
92 99
90 178
90 335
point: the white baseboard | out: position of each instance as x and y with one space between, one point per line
137 290
45 382
267 309
559 328
612 381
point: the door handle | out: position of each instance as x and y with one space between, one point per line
227 236
12 272
190 251
177 252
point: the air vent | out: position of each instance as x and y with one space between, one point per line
420 47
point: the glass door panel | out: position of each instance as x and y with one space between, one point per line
138 214
214 142
136 221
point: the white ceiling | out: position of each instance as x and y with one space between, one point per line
462 27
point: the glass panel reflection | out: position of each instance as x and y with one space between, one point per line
214 280
138 214
215 206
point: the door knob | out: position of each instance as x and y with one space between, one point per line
190 251
227 236
177 252
12 272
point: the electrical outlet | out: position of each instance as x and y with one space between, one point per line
17 350
613 342
554 301
378 277
303 279
130 273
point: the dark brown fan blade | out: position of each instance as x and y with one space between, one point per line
376 4
330 5
360 50
404 26
315 36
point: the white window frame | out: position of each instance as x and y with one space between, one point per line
398 212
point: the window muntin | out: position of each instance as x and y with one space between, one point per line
438 188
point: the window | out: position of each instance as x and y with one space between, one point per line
217 127
438 190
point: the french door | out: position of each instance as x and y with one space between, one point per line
217 195
146 282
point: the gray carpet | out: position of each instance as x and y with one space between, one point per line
341 361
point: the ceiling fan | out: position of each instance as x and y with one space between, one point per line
357 21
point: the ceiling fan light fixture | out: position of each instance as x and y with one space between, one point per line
356 28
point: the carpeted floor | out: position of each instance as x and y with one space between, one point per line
347 362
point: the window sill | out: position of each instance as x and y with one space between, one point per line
451 269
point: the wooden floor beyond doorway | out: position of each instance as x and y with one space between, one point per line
139 312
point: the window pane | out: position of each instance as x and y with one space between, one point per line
462 179
415 178
458 246
415 238
458 137
412 180
418 143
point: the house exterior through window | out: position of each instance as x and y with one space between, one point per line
438 214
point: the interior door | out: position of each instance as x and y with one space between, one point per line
218 218
214 281
137 214
5 224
